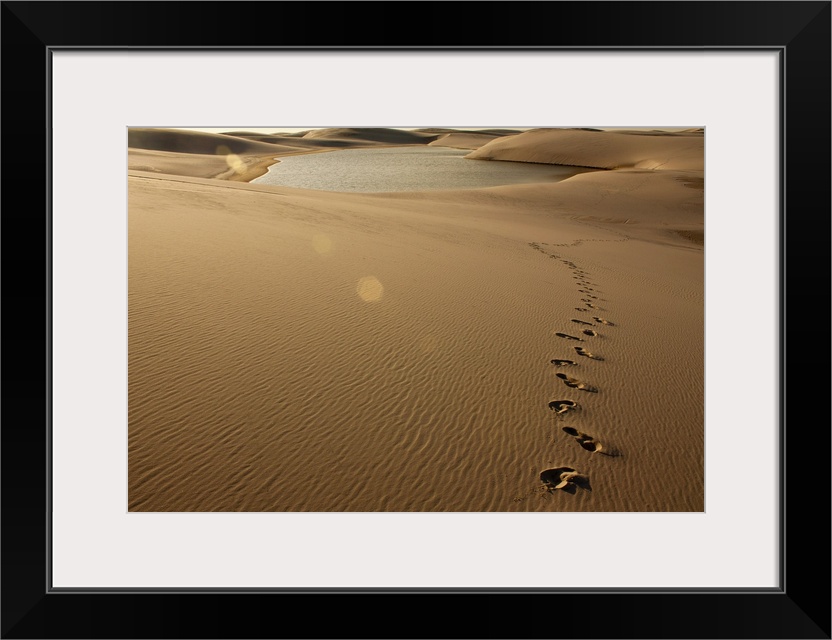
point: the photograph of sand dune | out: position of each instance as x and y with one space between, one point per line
416 319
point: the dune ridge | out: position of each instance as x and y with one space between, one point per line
466 140
599 149
244 156
372 134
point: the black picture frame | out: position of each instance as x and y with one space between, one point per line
799 608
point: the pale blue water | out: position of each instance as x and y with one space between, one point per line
404 169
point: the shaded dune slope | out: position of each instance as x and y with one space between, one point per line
195 142
372 134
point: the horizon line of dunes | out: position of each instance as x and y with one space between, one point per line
586 147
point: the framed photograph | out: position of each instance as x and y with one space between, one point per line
276 335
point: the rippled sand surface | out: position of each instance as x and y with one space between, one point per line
294 350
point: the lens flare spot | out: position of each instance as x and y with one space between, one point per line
235 162
321 243
370 289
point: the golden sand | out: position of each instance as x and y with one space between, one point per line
534 347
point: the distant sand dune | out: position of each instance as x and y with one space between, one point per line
371 134
195 142
494 132
241 155
600 149
463 140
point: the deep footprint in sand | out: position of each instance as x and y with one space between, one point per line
562 406
581 321
586 354
586 441
590 332
562 363
568 337
580 309
602 321
564 478
576 384
591 444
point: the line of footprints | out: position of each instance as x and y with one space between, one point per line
566 478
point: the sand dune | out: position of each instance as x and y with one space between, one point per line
199 154
270 138
371 134
600 149
301 143
491 132
514 348
463 140
182 141
652 204
242 155
223 167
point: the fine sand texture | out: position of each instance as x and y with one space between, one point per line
535 347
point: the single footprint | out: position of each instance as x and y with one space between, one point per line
576 384
591 306
602 321
580 309
590 332
591 444
583 352
562 363
567 336
565 478
587 442
581 322
562 406
587 290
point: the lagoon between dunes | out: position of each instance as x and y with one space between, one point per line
536 345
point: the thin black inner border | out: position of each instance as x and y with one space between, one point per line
780 50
